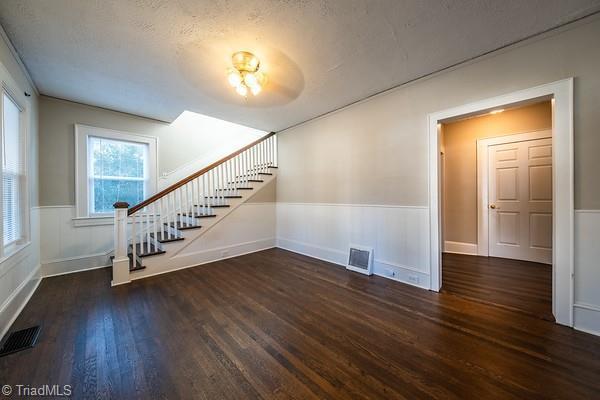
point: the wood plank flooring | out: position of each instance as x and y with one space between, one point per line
278 325
521 286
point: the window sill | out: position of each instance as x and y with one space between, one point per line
93 221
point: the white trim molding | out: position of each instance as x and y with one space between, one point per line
587 318
483 179
470 249
561 93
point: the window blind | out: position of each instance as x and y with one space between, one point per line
12 171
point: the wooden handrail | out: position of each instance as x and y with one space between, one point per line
195 175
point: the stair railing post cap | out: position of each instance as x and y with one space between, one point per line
121 204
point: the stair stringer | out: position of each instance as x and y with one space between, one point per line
176 257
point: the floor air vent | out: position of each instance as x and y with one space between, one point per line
360 259
20 340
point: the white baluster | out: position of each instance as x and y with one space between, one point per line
275 154
204 193
133 240
211 189
220 184
147 230
263 146
154 222
141 232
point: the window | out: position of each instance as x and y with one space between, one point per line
14 183
112 166
117 170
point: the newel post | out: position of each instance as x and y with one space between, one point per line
120 266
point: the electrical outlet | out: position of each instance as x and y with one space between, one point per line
224 254
413 279
390 272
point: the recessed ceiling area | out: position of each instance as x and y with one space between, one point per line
158 58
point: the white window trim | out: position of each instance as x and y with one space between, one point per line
82 132
10 89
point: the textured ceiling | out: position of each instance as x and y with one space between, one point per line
158 58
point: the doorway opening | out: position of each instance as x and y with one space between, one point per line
560 96
496 179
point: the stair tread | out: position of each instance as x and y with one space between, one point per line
227 196
164 237
196 215
255 180
265 173
183 226
143 251
138 265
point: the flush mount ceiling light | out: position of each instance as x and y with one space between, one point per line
245 76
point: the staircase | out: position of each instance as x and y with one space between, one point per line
151 237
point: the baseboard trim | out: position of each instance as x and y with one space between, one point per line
74 264
460 248
586 318
16 302
248 248
404 274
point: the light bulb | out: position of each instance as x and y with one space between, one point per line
250 79
242 90
255 89
234 78
260 78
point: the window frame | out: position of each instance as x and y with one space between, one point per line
24 239
83 217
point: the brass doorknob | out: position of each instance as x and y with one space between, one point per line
493 206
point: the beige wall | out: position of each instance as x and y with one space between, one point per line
460 162
180 143
375 152
266 195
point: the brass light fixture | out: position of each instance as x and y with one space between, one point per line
245 76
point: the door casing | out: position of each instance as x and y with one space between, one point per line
563 207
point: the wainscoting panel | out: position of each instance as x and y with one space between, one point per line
67 248
19 276
399 235
587 271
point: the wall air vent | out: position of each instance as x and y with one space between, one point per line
360 259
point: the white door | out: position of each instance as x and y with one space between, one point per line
520 200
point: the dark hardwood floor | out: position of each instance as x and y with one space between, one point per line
521 286
275 324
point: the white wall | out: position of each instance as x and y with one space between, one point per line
19 273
